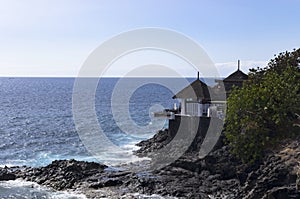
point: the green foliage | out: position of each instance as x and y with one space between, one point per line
263 111
277 65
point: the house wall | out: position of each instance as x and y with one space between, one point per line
196 128
187 123
193 108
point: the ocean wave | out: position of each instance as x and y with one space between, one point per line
18 189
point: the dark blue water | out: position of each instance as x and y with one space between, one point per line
36 121
37 124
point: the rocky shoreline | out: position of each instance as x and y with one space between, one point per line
218 175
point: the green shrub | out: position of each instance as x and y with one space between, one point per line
263 111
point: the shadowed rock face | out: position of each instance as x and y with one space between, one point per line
5 174
219 174
62 174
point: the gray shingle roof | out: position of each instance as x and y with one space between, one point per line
197 89
236 76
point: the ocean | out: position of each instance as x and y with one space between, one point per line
37 124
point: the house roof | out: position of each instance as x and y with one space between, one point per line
236 76
197 89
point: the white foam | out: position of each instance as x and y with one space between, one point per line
115 158
13 163
31 187
130 147
7 165
143 196
26 189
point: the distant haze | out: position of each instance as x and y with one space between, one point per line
54 38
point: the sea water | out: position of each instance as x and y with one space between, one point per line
28 190
37 125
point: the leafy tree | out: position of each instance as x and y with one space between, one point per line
278 64
263 111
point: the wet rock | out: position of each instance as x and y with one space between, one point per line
282 193
62 174
106 183
221 175
217 175
5 175
158 141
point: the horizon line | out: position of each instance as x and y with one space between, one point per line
107 77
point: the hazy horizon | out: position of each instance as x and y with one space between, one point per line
54 38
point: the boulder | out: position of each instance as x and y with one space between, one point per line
5 175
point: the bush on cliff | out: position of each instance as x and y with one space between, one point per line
263 111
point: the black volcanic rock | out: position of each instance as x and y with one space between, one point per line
158 141
220 174
62 174
277 176
5 174
217 175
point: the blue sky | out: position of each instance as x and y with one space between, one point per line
53 38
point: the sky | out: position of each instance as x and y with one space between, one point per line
54 37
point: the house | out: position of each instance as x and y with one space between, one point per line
236 79
199 99
201 105
194 99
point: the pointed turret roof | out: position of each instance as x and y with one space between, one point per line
237 75
197 89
